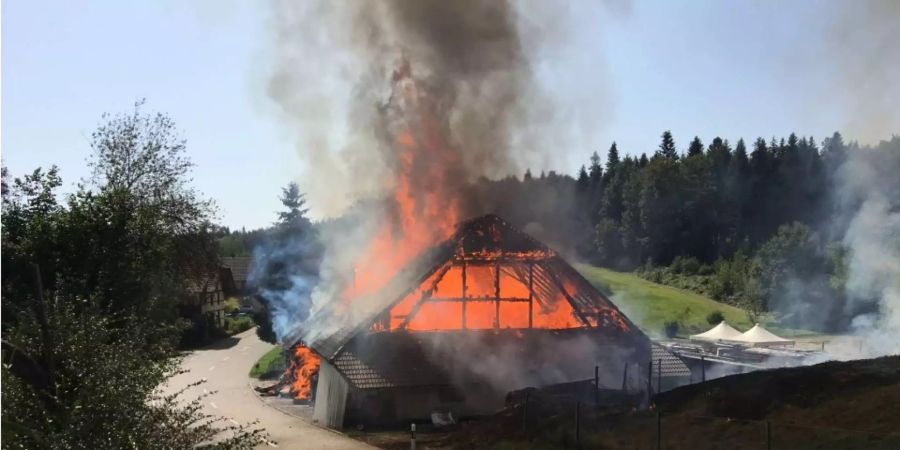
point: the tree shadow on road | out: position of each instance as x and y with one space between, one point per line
221 344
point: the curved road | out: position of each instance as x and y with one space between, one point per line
225 366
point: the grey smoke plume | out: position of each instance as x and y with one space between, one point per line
870 178
863 55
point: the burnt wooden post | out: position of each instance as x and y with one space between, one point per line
625 377
658 429
530 294
597 385
525 413
768 435
497 297
649 380
464 295
702 369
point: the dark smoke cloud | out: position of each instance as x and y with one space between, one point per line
334 63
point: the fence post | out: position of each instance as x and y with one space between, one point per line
577 422
525 414
768 435
658 429
649 380
597 386
659 376
412 436
702 369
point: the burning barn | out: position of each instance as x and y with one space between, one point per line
487 311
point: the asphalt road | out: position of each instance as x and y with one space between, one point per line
225 366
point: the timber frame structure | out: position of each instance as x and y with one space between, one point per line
488 287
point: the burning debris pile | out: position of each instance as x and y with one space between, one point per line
298 381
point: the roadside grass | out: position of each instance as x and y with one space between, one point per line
649 305
271 362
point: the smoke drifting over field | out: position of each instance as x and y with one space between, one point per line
869 180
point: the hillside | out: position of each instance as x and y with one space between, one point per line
650 304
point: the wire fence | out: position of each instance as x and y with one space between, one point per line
565 422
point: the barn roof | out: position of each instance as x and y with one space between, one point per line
484 239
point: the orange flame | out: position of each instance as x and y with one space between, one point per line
426 204
303 367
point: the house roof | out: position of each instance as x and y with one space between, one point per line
208 282
239 265
671 364
484 238
415 359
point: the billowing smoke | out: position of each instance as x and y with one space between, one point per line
869 180
397 107
336 74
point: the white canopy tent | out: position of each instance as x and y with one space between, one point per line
721 332
761 337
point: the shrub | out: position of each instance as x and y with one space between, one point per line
235 325
671 328
232 305
685 265
715 317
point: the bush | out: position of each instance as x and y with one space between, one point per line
687 266
715 317
232 305
671 328
235 325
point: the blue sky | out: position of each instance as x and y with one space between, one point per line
735 69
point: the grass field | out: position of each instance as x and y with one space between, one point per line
650 305
269 362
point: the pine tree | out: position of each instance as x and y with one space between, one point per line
667 146
612 158
293 200
527 176
596 170
696 147
583 180
643 161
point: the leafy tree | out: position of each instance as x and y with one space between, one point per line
72 380
85 348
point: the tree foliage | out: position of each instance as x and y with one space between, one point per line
92 288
